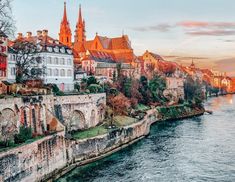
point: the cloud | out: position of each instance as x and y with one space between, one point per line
229 40
164 27
211 32
201 24
194 28
200 28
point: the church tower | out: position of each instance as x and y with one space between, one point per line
80 37
65 34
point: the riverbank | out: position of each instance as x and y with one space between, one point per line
105 145
183 150
51 157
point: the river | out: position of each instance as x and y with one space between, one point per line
196 149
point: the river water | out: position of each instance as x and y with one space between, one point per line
196 149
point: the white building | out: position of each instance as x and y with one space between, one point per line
57 60
11 66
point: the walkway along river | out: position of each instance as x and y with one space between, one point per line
195 149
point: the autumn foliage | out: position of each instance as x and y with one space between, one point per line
119 103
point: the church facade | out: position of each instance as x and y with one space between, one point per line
119 47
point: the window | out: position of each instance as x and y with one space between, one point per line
69 73
69 62
13 71
62 72
62 61
56 61
49 60
56 72
49 72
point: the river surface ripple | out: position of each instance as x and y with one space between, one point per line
196 149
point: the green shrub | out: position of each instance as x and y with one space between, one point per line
94 88
24 135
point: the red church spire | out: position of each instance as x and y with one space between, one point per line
80 15
79 38
65 20
65 34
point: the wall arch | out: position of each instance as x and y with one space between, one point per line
77 121
8 123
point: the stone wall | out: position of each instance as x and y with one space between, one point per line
32 162
81 111
49 113
53 156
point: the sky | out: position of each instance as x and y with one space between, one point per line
178 30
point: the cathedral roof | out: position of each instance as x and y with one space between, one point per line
111 43
101 56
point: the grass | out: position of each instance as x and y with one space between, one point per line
141 107
121 121
13 145
92 132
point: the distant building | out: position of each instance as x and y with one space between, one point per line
103 64
11 65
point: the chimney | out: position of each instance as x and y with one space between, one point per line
20 36
29 34
45 33
39 33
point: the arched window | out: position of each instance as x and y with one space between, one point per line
56 61
49 72
69 73
56 72
62 72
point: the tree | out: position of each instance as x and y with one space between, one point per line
94 88
6 20
156 86
91 80
120 104
119 70
77 86
28 63
193 90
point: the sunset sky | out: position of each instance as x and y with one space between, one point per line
176 29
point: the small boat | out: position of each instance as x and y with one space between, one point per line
209 112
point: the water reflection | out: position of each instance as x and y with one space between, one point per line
196 149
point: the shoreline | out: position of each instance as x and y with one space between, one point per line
60 173
54 156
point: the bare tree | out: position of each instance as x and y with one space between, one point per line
6 18
29 64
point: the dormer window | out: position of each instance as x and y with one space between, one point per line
56 49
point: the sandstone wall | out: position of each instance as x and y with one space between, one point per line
51 157
34 161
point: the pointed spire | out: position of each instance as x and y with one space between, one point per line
80 15
65 31
65 19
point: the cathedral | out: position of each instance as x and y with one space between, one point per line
119 47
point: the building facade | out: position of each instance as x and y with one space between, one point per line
3 56
56 59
